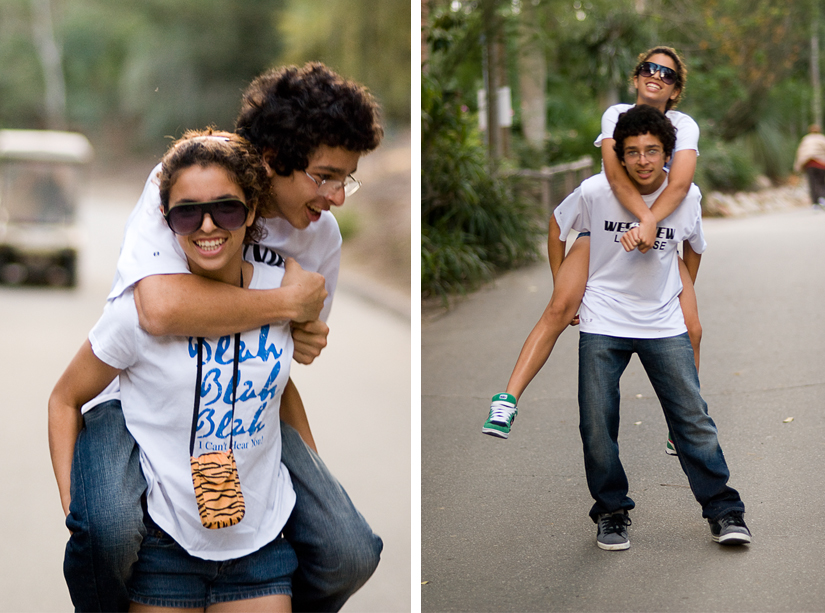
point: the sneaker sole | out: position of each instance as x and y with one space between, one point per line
493 432
734 538
615 547
670 451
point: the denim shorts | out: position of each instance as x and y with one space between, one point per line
167 576
583 235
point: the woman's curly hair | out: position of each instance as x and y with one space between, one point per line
232 153
293 111
681 71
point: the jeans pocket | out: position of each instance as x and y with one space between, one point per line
155 537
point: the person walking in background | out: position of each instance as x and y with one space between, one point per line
810 157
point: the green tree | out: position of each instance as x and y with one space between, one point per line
472 225
367 41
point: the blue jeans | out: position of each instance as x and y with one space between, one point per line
337 550
670 366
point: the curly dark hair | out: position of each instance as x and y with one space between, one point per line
681 71
295 110
233 154
644 119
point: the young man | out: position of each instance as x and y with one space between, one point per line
312 127
631 305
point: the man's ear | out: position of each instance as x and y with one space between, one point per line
269 156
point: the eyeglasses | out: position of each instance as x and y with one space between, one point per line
330 187
648 69
651 155
228 214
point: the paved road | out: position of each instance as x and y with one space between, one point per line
504 523
357 397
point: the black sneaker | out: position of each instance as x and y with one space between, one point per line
612 534
730 529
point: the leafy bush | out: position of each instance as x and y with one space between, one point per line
471 222
726 167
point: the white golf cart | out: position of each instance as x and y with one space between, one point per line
40 177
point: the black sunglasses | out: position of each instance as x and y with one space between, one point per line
648 69
228 214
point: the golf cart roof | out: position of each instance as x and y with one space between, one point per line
45 146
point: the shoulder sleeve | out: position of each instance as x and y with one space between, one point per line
609 119
113 337
329 265
571 213
687 132
696 236
316 248
149 246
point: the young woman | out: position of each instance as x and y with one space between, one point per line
214 192
659 78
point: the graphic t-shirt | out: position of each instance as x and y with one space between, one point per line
630 295
158 380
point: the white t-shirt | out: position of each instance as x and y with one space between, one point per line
630 295
157 382
150 248
687 130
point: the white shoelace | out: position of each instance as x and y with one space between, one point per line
501 412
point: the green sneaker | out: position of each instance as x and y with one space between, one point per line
502 413
670 448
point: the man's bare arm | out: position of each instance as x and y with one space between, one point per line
190 305
293 413
309 339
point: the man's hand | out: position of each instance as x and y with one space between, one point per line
309 291
310 338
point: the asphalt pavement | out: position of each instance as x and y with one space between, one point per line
504 523
357 396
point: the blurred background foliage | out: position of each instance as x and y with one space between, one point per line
749 85
135 72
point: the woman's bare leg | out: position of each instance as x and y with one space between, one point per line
568 290
265 604
278 603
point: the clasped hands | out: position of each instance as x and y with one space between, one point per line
641 236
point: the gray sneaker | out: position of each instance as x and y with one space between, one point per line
612 534
730 529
